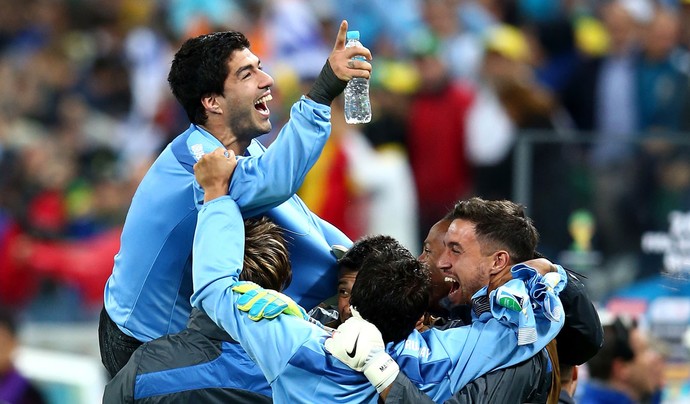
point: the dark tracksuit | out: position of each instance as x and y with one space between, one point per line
200 364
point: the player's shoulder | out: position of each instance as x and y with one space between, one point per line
196 142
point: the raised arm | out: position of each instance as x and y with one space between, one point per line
277 174
218 257
270 176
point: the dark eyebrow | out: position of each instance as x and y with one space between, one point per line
247 67
455 244
242 69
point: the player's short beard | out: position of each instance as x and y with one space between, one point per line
245 129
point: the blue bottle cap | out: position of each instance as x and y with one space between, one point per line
352 35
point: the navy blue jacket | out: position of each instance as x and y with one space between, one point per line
201 364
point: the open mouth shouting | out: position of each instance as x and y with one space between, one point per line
261 106
455 294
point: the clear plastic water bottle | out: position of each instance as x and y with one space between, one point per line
357 104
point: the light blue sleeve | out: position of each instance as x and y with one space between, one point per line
500 338
440 363
332 234
270 176
218 254
266 180
499 347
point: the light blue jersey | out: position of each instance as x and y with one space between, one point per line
148 293
291 352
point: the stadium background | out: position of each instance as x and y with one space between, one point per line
84 108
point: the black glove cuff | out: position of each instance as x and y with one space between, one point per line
327 86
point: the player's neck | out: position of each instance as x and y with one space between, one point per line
227 138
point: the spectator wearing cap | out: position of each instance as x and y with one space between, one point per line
490 127
510 101
436 138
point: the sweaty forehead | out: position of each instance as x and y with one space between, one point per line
462 225
437 231
460 231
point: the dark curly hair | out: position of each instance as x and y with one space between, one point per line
200 68
392 287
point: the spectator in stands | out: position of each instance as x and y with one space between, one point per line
603 98
436 139
460 48
507 99
651 354
14 387
662 75
601 94
621 372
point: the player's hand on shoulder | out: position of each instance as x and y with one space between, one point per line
213 172
542 265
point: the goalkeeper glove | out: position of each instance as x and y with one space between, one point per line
265 303
359 345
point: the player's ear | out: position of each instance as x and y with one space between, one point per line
211 104
501 259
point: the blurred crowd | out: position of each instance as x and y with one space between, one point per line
85 107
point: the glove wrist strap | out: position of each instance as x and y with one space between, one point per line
381 370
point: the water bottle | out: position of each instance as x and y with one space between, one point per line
357 104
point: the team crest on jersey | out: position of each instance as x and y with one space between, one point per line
197 151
